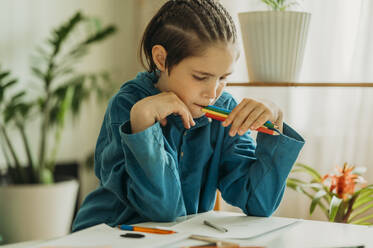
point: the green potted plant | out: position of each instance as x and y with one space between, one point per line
28 192
343 197
274 41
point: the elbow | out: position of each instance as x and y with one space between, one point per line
264 206
160 210
260 208
166 212
259 212
164 217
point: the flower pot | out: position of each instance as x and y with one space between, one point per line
274 43
35 211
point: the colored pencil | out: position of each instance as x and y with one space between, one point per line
221 114
217 109
145 229
227 112
266 130
214 113
215 117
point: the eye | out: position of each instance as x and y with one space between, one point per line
199 78
223 78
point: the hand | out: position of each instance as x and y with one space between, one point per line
252 114
156 108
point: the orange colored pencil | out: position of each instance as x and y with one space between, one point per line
266 130
145 229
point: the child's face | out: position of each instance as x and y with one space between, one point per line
199 81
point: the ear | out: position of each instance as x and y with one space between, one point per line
159 55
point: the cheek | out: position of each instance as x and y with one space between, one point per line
219 90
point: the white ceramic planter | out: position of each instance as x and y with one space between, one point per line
34 212
274 43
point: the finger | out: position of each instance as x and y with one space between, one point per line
245 103
186 118
247 123
179 108
264 116
238 121
189 118
241 117
184 113
253 125
192 121
234 112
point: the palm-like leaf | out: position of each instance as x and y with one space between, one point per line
363 203
63 90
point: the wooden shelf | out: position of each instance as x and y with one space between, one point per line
261 84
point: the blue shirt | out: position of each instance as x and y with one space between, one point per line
162 173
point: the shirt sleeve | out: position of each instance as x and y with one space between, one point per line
253 176
138 170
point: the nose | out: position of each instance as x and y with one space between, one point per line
211 90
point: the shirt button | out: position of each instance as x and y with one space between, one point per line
185 133
182 154
209 119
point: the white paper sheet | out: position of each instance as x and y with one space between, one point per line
239 226
108 237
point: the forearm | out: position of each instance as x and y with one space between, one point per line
154 189
140 118
276 164
254 177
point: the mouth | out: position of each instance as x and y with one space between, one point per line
201 106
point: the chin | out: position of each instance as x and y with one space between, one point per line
196 111
197 114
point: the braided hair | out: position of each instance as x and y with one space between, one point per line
186 28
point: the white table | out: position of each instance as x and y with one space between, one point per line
305 233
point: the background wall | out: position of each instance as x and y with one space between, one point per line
334 122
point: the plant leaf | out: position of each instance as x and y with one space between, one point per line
360 211
316 200
37 72
309 170
65 106
61 33
334 205
101 35
4 75
363 220
46 176
361 201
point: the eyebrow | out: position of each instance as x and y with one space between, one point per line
210 74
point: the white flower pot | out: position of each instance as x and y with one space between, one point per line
35 211
274 43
